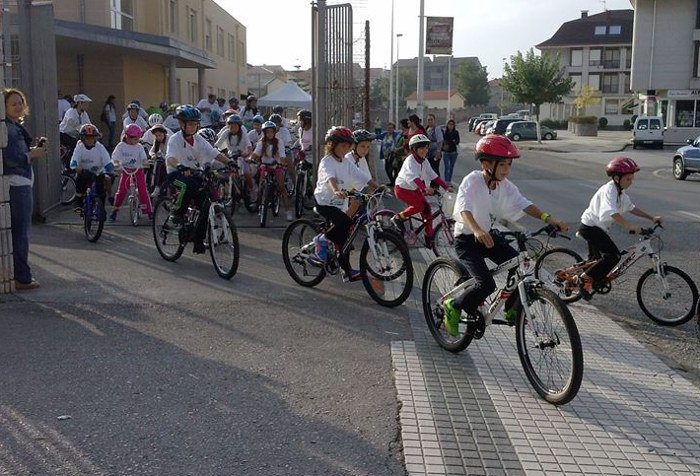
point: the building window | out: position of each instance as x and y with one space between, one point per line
207 35
614 29
173 16
576 57
612 106
611 58
611 83
628 59
231 48
241 52
594 81
194 93
627 106
122 14
696 60
626 84
193 26
685 113
594 57
220 41
600 30
576 78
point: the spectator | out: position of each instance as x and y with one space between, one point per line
434 133
205 106
449 149
17 163
399 153
63 106
414 127
109 117
387 149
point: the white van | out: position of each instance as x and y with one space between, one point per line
648 130
489 115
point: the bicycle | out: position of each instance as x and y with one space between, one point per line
270 198
133 197
385 262
303 190
67 178
221 235
94 213
547 338
666 294
442 241
235 189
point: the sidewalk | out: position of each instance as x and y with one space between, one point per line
605 141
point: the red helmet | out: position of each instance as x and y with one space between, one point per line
493 146
621 166
340 134
89 130
133 130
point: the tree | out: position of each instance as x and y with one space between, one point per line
407 85
473 82
586 97
379 95
536 80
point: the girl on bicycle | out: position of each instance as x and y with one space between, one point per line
129 154
336 174
485 196
255 133
157 154
270 150
89 159
363 142
235 142
606 208
413 183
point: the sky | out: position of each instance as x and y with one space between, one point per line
280 31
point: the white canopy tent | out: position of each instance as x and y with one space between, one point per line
289 95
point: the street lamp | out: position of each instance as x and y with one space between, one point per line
398 71
500 83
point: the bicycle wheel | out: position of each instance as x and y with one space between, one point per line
549 346
223 243
555 268
264 205
387 270
441 277
299 196
670 299
276 201
67 189
443 241
165 234
297 248
93 219
134 211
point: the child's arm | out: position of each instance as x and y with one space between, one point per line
636 211
625 224
535 212
482 236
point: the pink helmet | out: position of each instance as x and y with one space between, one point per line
621 166
132 130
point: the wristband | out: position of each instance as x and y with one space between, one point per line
544 216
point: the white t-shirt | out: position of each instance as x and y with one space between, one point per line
247 114
254 136
225 129
72 121
93 159
149 137
487 206
140 121
267 157
63 106
604 204
306 138
231 142
193 156
129 156
347 176
411 170
362 164
172 123
284 134
206 116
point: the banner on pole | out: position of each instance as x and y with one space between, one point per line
438 38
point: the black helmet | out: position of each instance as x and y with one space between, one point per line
276 118
278 109
362 135
187 112
304 114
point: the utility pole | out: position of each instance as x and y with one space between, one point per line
421 58
449 85
7 281
391 68
398 74
367 121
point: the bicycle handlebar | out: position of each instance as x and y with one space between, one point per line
550 230
648 231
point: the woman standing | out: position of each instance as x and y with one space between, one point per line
17 164
449 149
434 133
109 117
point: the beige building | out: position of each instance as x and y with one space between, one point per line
436 99
153 50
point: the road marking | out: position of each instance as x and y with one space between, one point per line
588 185
691 215
661 172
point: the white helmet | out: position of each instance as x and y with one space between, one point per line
154 119
81 98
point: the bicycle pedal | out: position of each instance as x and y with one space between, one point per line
476 325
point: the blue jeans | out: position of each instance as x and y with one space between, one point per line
112 129
449 159
21 203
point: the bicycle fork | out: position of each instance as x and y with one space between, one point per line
214 228
660 274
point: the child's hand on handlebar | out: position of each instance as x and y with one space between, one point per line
563 227
340 194
429 191
657 219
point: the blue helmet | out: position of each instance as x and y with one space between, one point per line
258 118
234 119
215 116
187 112
269 125
208 134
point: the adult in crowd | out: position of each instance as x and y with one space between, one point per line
414 128
142 112
109 117
434 133
386 151
449 149
17 160
206 106
133 117
71 122
63 106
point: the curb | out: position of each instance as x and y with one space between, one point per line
560 151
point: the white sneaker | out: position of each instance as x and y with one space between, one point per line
290 216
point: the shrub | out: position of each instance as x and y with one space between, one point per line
584 119
602 123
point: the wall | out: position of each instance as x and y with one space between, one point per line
6 271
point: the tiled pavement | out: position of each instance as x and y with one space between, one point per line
475 412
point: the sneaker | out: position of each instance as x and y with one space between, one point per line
451 319
352 275
397 222
113 216
156 192
33 284
585 286
321 244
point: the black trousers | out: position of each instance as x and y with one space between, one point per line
389 169
602 248
84 179
339 232
473 254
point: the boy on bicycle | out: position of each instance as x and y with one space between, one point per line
89 159
605 208
485 196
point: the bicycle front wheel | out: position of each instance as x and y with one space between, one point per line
669 299
67 189
298 252
94 219
387 269
441 277
134 210
223 243
264 205
556 268
549 346
299 195
443 241
165 234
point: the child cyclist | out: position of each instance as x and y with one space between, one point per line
270 150
129 154
157 154
363 142
255 133
485 196
336 173
606 208
90 158
235 141
413 182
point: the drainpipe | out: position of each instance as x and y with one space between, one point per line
651 55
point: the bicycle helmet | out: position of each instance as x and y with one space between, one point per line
233 99
173 106
229 112
362 135
81 98
133 130
278 109
258 118
207 134
136 101
234 119
495 147
154 119
89 130
269 125
340 134
417 141
158 127
187 112
133 106
215 116
276 118
304 114
621 166
251 98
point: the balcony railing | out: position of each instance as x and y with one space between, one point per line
610 88
611 64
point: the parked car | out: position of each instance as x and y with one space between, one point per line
648 130
483 127
477 122
489 115
687 159
472 120
528 130
501 124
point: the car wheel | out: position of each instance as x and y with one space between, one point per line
679 172
515 137
548 136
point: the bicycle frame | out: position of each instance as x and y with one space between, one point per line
633 254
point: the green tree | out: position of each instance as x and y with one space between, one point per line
586 97
379 94
536 80
473 82
407 85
